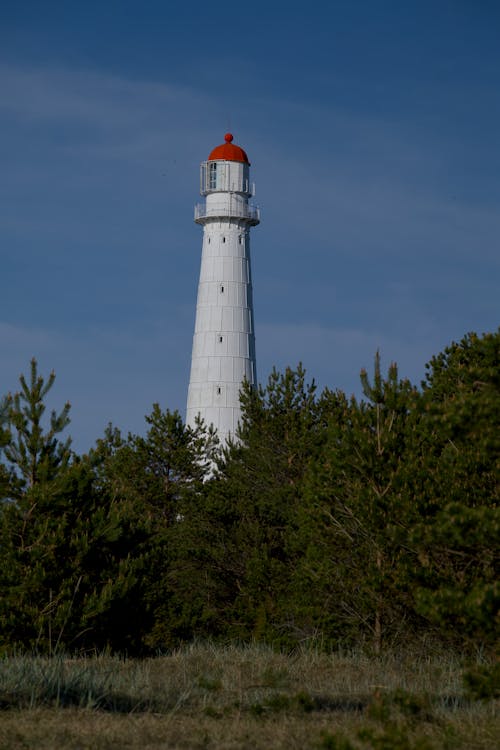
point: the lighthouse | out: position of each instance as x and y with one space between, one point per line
224 339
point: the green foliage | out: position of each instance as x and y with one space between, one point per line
36 456
331 741
161 476
457 533
66 566
354 509
483 682
157 469
237 532
4 415
329 521
6 477
68 559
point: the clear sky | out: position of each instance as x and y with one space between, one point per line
373 129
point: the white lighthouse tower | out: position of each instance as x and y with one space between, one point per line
224 342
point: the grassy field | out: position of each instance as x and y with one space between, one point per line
214 697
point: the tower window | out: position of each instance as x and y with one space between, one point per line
220 339
212 176
239 239
218 390
223 239
222 290
209 240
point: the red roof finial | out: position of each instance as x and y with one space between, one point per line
228 137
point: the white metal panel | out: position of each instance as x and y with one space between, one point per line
226 370
227 319
214 316
214 368
243 345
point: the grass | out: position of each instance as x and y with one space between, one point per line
237 697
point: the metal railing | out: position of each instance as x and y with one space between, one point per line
237 210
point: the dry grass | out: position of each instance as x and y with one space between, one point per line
212 697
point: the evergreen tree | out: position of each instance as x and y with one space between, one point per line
328 517
157 469
353 511
457 536
67 568
36 455
236 537
5 475
67 548
162 476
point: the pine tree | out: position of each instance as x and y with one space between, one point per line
456 477
5 475
35 455
237 535
161 475
354 507
69 551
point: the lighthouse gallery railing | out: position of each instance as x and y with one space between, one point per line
238 211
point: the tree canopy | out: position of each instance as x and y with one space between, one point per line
337 520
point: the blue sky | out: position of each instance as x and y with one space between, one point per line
373 129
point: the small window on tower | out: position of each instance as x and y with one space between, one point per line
240 240
212 179
222 290
220 339
223 239
218 390
209 240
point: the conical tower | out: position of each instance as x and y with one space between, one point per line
224 341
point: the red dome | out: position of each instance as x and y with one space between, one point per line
228 151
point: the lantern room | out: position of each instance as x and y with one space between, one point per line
226 170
